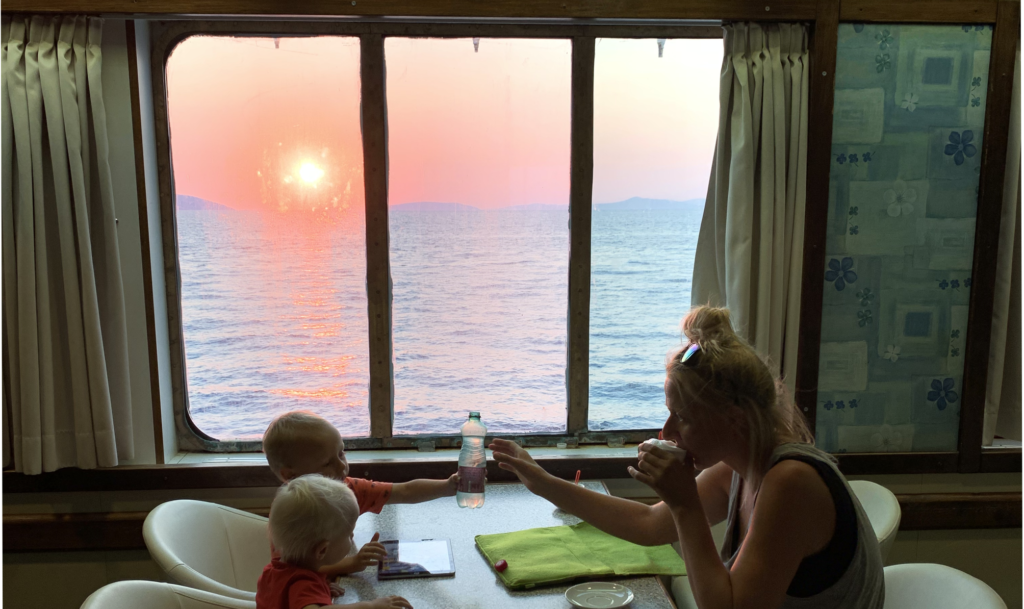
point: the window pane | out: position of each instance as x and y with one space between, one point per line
268 170
655 123
479 191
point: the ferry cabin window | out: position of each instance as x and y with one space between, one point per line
655 125
268 175
268 163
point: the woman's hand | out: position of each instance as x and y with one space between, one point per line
673 478
514 458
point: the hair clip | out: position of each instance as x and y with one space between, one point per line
693 348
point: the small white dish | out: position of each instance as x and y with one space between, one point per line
599 595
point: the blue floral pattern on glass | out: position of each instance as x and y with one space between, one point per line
960 146
942 393
840 273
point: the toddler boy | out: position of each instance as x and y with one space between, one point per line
311 524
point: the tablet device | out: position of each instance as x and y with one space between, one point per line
421 558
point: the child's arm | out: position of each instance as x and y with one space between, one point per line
388 602
418 491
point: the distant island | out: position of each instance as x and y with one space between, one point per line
190 203
639 203
631 204
431 206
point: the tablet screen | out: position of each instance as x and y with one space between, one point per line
421 558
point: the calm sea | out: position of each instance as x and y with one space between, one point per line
274 314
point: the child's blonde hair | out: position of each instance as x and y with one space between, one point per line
729 372
307 511
286 434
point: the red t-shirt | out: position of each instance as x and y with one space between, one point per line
371 496
283 586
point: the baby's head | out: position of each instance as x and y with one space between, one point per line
298 443
311 521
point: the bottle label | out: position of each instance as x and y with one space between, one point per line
471 479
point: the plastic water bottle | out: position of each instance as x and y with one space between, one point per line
472 463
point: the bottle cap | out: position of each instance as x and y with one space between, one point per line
474 415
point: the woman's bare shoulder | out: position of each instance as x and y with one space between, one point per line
794 491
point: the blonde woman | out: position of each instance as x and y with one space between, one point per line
796 535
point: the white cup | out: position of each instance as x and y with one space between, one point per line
668 446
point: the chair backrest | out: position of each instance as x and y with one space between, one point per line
883 511
208 546
158 595
927 586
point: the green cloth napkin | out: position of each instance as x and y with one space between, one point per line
556 554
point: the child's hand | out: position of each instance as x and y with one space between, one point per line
391 602
336 589
453 485
368 555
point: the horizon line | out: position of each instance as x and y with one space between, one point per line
684 201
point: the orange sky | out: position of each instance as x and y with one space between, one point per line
487 128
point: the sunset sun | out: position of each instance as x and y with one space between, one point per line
310 173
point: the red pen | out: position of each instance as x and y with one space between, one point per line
577 477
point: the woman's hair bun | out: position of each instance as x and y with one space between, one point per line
709 327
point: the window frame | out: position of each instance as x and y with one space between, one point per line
371 34
968 457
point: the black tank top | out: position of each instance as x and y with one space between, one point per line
822 570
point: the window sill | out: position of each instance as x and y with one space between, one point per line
249 470
441 454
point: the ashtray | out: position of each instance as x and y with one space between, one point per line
599 595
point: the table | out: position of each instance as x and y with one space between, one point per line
508 507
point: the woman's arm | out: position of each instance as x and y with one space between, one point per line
623 518
794 517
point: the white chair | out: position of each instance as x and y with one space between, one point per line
208 546
883 511
158 595
921 586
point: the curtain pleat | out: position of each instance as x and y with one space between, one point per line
12 387
1003 391
4 427
67 366
749 249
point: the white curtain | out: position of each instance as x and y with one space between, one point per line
749 251
66 375
1003 391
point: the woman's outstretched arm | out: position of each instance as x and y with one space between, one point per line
623 518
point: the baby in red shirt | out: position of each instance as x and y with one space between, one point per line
300 442
311 524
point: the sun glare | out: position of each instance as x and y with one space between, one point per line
310 173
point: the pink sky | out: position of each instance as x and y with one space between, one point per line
487 128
